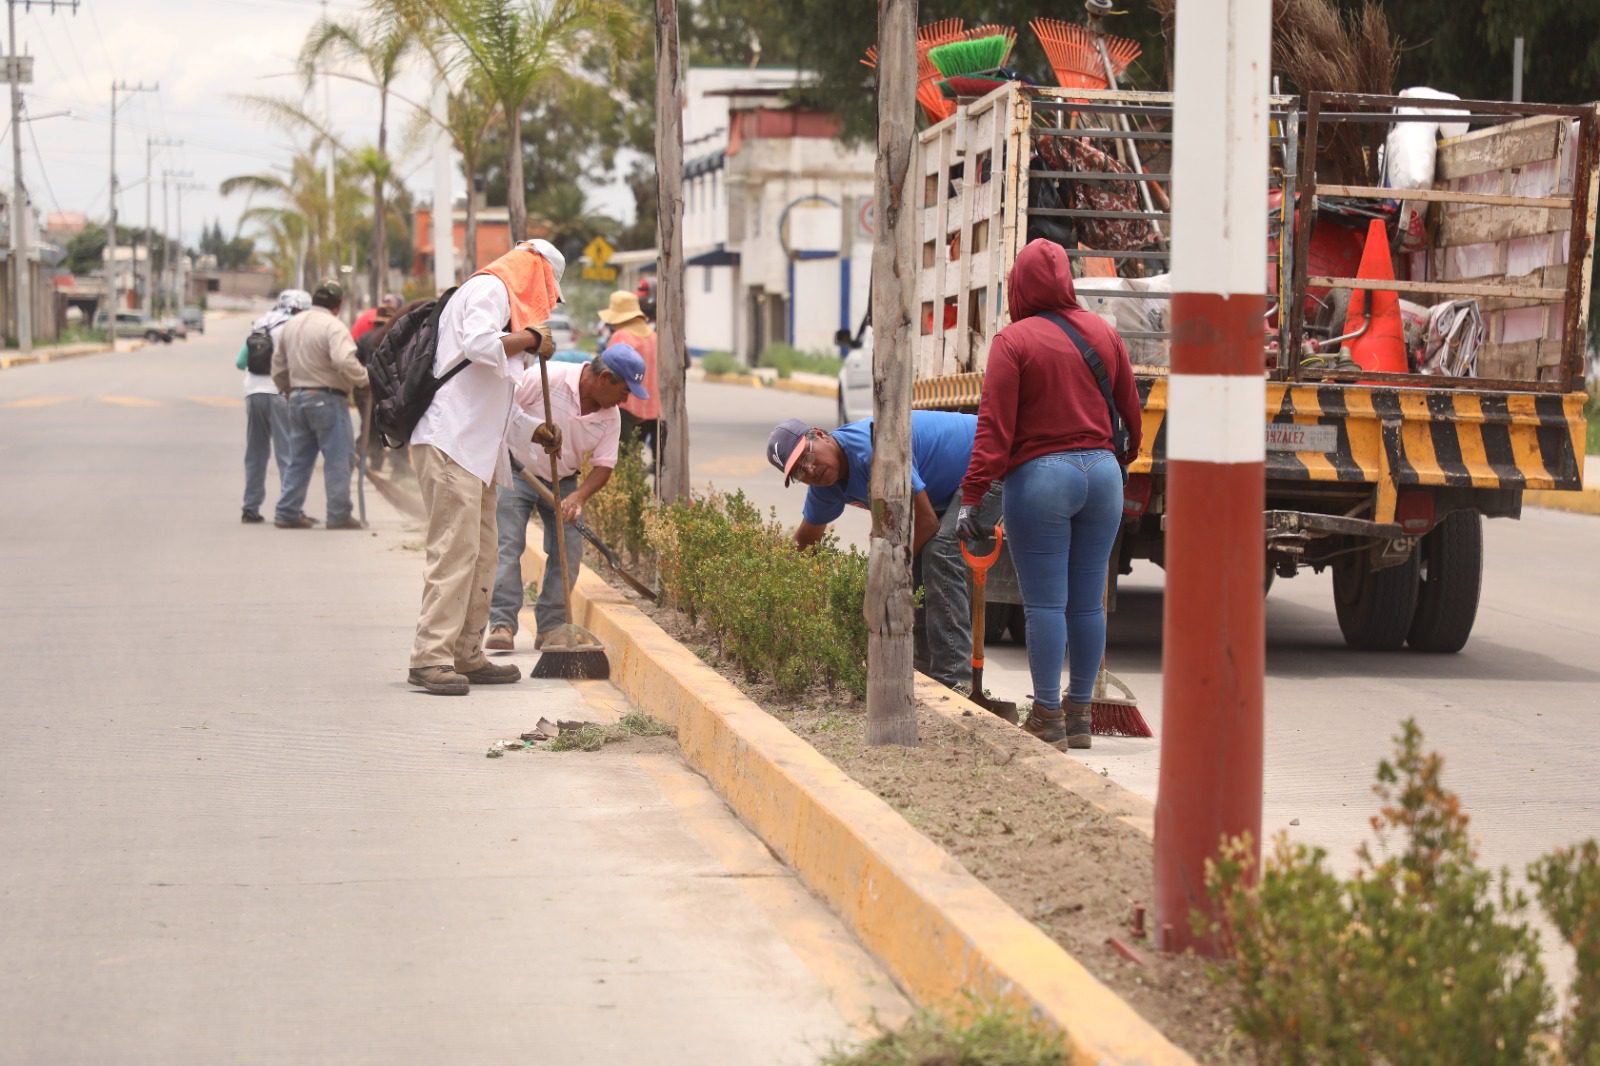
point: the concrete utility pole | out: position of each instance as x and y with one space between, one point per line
672 354
181 265
168 264
329 252
891 708
150 146
113 288
444 230
1212 632
17 75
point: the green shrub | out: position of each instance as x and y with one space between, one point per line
1421 957
786 360
973 1035
790 617
616 512
720 363
1568 882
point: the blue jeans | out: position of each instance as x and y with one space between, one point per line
1062 516
513 508
266 432
318 422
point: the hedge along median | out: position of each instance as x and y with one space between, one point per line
938 928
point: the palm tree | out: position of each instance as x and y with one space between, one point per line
570 221
307 182
515 47
381 43
285 231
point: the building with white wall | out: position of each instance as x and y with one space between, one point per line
777 217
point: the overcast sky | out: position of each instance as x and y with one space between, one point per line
200 52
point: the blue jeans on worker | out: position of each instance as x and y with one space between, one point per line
319 422
266 433
513 508
1062 516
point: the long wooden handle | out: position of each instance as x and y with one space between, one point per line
555 489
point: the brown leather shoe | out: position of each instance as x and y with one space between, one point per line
439 680
304 521
1080 725
492 674
500 639
1048 725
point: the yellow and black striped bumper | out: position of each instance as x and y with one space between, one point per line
1389 437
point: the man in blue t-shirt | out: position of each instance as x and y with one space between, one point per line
838 468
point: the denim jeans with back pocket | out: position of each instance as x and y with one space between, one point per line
319 421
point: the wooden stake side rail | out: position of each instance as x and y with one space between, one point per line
1445 196
1447 288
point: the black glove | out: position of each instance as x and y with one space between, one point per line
968 525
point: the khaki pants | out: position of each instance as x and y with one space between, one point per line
461 562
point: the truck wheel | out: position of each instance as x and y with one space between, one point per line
995 617
1374 606
1019 624
1451 560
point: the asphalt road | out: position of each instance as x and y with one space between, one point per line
231 833
1512 713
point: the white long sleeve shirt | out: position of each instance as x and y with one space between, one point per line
470 417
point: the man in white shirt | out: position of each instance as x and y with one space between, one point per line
266 428
459 452
583 405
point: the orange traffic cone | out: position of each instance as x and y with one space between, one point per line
1382 347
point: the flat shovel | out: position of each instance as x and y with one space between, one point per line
980 565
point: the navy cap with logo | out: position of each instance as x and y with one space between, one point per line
627 364
786 445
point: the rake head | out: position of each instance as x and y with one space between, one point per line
1074 56
941 31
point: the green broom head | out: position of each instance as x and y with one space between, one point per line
969 57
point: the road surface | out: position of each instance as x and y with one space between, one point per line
231 832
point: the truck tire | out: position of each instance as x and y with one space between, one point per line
1451 560
995 616
1019 624
1375 607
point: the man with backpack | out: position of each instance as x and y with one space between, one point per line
459 449
315 365
266 426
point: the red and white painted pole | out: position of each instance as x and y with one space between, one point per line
1213 635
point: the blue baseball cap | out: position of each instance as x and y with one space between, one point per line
785 446
628 365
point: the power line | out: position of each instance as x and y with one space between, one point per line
43 173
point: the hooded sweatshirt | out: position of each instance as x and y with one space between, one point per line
1039 396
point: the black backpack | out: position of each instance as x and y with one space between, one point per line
258 352
400 373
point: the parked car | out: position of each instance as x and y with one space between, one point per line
562 333
194 318
175 327
134 324
855 377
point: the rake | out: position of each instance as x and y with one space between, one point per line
934 34
1074 53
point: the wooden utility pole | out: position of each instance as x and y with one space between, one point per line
672 353
891 709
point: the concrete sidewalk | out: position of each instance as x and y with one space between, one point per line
233 833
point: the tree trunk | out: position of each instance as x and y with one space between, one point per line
469 249
516 195
380 224
672 353
891 708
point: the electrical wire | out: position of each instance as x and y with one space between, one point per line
43 173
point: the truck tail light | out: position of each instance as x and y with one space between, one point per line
1414 512
1136 495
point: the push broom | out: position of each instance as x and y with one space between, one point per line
569 651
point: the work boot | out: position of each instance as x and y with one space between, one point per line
500 639
1080 725
439 680
347 523
491 673
1048 725
250 517
303 521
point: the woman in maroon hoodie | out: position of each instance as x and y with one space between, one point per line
1044 426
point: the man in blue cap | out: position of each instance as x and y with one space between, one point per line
837 466
586 428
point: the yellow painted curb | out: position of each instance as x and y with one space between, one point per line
936 928
748 380
808 388
1584 502
46 355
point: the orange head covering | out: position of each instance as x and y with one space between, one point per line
530 282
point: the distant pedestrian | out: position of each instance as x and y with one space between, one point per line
368 320
628 323
460 450
837 466
583 403
266 428
316 366
1046 426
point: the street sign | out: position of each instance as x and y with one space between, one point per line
19 69
599 253
593 273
